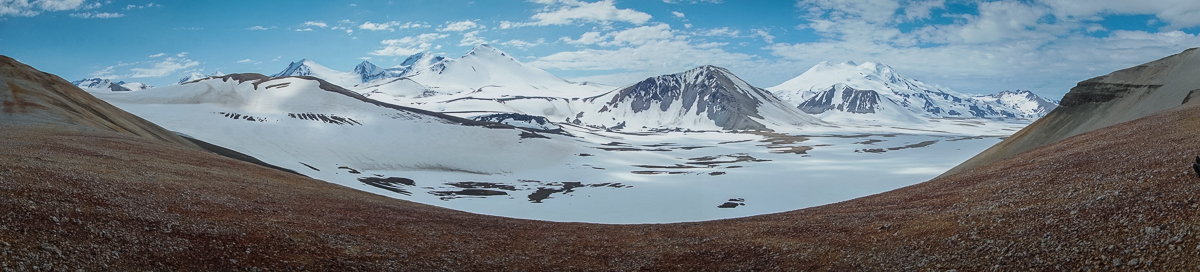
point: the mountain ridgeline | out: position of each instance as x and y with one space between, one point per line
487 80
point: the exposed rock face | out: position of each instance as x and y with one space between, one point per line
707 92
856 101
1103 101
32 97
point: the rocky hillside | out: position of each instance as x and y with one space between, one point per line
1121 96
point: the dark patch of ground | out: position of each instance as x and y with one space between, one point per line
390 184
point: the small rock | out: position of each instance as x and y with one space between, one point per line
50 248
4 244
728 205
1132 262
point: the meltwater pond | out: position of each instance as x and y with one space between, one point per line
687 176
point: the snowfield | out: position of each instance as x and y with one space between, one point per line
484 133
583 175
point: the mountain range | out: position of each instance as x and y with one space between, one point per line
853 93
487 80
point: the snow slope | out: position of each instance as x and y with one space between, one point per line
302 123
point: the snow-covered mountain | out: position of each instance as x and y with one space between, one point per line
305 124
194 76
307 67
1028 104
874 92
707 97
100 84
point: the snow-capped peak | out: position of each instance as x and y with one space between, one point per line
102 84
197 76
305 67
368 71
850 93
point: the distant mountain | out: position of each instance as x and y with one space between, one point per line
850 92
100 84
194 76
305 67
707 97
1028 104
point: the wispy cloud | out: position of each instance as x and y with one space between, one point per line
316 24
459 26
158 55
471 39
244 61
150 5
99 15
164 68
389 26
260 28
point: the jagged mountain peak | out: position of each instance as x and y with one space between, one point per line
197 76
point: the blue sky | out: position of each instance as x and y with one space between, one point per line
970 46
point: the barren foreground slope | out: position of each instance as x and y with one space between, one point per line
1117 197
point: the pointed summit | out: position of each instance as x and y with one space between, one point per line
305 67
368 71
706 97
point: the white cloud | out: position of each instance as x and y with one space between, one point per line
244 61
181 54
693 1
305 29
260 28
316 24
721 31
98 15
1044 45
408 45
766 36
646 60
1177 13
158 55
565 12
678 14
389 26
27 8
150 5
165 67
632 36
459 26
471 39
524 44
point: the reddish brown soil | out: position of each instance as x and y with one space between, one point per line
104 201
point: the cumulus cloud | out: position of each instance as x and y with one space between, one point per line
158 55
678 14
160 68
459 26
720 31
566 12
408 45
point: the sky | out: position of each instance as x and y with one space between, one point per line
975 47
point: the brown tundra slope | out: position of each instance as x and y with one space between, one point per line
1121 197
